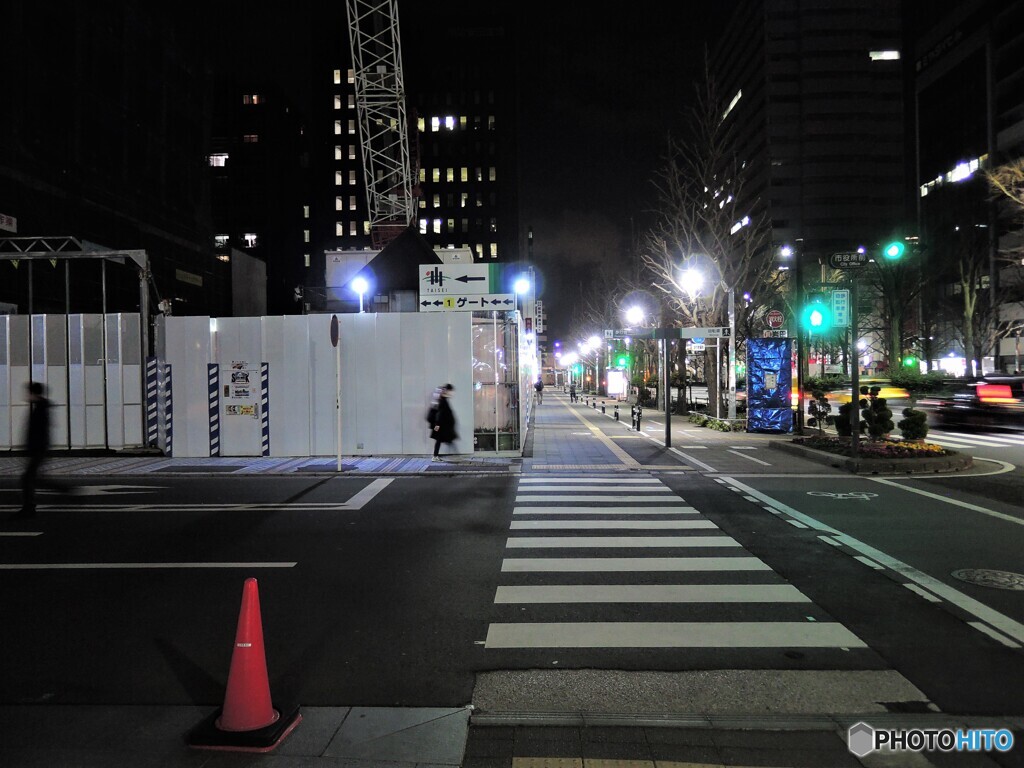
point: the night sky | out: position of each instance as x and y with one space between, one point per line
600 93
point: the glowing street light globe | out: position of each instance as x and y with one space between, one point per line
635 315
522 285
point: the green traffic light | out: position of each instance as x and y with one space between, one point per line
817 316
894 250
622 361
909 361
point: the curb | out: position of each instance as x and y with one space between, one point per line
873 466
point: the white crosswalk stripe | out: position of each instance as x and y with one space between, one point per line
570 534
975 440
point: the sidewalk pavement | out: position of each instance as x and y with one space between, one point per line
563 437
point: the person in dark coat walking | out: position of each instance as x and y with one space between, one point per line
442 421
38 444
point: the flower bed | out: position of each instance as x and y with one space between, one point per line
882 449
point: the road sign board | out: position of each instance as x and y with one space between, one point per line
841 308
848 260
457 279
775 333
668 333
775 319
453 303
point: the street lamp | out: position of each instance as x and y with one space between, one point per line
635 316
360 286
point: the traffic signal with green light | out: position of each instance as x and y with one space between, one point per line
893 251
577 368
817 315
910 361
622 360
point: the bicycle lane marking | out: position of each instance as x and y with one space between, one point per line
1012 630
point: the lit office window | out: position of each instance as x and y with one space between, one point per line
251 240
337 152
435 124
251 98
437 226
463 199
449 174
478 173
337 127
221 241
339 228
494 250
490 122
479 200
251 138
451 225
351 77
218 160
351 151
339 203
421 125
492 174
424 224
352 202
423 203
884 55
337 77
493 225
366 228
435 174
479 251
462 122
423 175
305 258
437 200
337 101
305 235
449 123
351 101
463 173
352 177
351 127
353 229
339 178
305 211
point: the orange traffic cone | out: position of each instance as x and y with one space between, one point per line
248 721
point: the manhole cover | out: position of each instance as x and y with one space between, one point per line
983 577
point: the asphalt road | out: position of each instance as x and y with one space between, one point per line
398 591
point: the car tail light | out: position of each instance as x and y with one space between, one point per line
995 393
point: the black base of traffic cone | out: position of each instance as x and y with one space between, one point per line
207 735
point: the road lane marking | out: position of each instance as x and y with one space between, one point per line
990 616
696 634
639 564
560 488
965 504
750 458
670 497
610 480
596 524
586 542
130 566
588 510
620 454
701 464
21 533
366 495
651 593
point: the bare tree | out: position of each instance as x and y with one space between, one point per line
707 222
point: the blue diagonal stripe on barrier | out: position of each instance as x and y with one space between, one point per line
213 393
265 402
151 402
169 410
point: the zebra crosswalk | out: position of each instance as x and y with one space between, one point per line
595 562
960 440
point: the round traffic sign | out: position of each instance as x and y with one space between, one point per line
334 330
775 319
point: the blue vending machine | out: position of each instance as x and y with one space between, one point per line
769 385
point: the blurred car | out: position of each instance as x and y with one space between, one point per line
892 395
991 404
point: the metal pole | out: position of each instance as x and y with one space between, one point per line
798 427
854 373
668 397
732 353
30 302
337 393
103 282
718 377
67 287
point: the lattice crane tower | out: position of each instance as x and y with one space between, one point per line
383 127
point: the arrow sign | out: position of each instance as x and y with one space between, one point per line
467 278
469 302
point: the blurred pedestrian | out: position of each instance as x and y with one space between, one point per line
442 421
37 440
539 387
572 393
